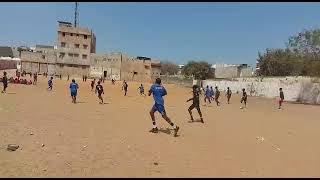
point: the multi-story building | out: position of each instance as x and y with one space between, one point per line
75 46
75 55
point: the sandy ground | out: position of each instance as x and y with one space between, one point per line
112 140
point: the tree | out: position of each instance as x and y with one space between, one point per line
199 70
169 68
301 57
306 42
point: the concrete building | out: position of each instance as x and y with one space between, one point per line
106 65
232 70
9 61
155 68
40 59
74 48
75 55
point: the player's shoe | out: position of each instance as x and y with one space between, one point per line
154 130
176 131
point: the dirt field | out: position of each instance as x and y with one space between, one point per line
112 140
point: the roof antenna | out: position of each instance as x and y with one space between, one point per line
76 15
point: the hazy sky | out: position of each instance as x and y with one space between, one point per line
215 32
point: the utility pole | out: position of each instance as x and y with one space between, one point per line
76 15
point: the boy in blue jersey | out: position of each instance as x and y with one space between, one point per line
211 93
158 91
141 90
50 83
207 95
74 89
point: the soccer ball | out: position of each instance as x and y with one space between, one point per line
241 107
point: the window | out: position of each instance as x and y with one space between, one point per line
77 35
70 54
76 45
104 59
61 55
109 60
76 55
85 46
63 34
43 57
71 34
63 44
85 36
84 56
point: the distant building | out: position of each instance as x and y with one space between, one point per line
232 70
75 55
180 68
9 58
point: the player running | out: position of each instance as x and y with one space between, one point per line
244 98
195 103
50 83
141 90
217 95
99 90
93 82
125 88
228 94
158 91
207 95
74 90
4 82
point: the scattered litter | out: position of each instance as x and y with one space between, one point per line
155 163
12 147
42 145
31 133
261 139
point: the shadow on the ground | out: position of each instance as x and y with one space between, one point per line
167 131
195 121
11 93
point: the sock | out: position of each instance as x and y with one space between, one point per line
154 125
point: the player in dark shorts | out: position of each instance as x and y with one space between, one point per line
244 98
141 90
35 78
125 88
217 95
92 84
228 94
158 91
74 90
50 83
99 90
195 102
4 82
281 98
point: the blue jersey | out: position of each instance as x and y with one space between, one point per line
211 92
208 92
73 87
50 82
158 91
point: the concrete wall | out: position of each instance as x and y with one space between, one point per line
295 89
246 72
177 80
72 70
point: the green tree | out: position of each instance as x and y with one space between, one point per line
199 70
